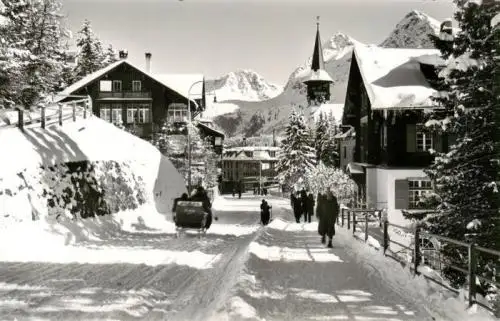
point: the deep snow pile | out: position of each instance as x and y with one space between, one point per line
43 182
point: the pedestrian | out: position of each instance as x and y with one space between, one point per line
327 212
297 207
310 207
265 214
240 187
304 204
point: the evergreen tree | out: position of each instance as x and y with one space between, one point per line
34 37
110 56
90 53
466 178
325 143
298 156
319 136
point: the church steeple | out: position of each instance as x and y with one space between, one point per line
317 58
318 80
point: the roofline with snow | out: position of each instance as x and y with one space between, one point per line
96 75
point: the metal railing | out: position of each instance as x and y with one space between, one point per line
124 94
363 217
58 112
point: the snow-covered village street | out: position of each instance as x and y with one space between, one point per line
149 172
240 270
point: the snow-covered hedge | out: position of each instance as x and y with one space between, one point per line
79 189
321 178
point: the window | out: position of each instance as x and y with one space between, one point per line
416 189
104 112
136 85
117 85
424 139
105 85
272 154
116 115
144 115
131 115
177 113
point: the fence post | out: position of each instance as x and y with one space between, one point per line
60 114
43 116
416 253
380 218
342 213
348 219
353 223
89 105
20 119
366 226
386 235
74 111
472 274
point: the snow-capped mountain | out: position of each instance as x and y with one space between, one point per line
412 31
245 85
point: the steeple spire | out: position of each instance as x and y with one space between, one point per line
317 59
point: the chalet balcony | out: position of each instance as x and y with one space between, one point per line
125 94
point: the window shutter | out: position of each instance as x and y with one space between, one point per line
438 142
411 138
401 194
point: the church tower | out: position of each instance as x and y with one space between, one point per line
318 81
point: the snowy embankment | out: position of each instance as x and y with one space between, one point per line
49 178
291 275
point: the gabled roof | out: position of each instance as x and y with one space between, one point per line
180 83
393 78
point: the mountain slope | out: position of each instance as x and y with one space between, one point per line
412 31
245 85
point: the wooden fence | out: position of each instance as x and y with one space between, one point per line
367 221
58 112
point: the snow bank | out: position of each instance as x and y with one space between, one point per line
287 254
94 140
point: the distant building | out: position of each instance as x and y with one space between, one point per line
247 164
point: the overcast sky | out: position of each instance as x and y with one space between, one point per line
213 37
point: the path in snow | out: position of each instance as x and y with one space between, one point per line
290 275
49 291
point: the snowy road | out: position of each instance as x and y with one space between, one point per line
49 291
239 271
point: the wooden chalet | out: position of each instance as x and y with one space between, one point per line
126 94
388 93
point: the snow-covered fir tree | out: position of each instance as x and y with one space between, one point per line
33 38
90 53
110 56
325 143
466 179
298 156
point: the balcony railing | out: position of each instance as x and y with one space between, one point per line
125 94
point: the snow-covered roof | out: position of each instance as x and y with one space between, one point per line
393 78
179 83
318 75
182 82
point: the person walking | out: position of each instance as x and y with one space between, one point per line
265 214
310 207
304 204
296 206
327 212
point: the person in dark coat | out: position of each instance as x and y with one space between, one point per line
303 204
310 207
202 196
265 214
327 212
240 188
297 207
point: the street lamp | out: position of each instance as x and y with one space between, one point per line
188 134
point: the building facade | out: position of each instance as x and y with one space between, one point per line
249 165
388 94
